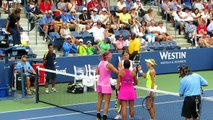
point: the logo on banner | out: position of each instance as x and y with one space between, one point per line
173 57
62 70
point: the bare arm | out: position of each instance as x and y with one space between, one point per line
112 68
7 24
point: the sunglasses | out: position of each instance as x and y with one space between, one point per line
120 36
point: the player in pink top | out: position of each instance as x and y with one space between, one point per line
103 86
126 89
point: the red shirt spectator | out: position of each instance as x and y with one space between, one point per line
92 4
45 6
201 28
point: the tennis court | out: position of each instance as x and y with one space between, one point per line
168 107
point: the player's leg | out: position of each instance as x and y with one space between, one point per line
131 108
187 108
107 98
123 109
53 77
196 113
150 102
27 78
47 82
98 105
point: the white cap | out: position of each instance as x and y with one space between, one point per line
84 8
80 40
95 9
67 36
179 6
104 9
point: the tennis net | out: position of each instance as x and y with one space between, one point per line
168 104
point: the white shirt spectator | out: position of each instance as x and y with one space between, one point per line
182 14
198 6
120 5
152 28
205 16
138 6
104 18
95 18
210 27
98 33
162 29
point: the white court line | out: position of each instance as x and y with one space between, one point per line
78 113
207 98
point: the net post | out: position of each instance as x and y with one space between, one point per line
22 83
37 85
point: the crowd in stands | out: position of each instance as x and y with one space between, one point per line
109 27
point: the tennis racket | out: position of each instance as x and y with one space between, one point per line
147 103
117 103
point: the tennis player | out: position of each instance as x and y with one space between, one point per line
190 87
103 85
126 89
49 63
150 83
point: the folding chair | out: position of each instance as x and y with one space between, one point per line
92 75
80 73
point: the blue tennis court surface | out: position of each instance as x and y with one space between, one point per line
168 108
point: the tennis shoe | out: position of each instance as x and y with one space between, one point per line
47 91
29 92
118 117
53 90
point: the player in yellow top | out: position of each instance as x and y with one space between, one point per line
150 83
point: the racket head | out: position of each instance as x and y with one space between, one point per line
117 103
147 103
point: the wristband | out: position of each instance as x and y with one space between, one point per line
141 71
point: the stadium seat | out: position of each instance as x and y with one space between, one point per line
116 33
76 34
112 9
155 46
166 45
86 36
112 49
125 33
80 73
174 45
80 8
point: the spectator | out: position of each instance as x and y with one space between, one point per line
109 32
149 16
198 5
24 39
5 5
210 28
152 32
85 19
120 5
94 16
90 48
120 43
104 16
92 4
47 23
27 69
64 31
114 21
139 7
104 45
196 16
72 5
13 26
69 46
163 32
179 17
134 46
205 15
191 32
143 28
82 48
17 3
205 41
61 5
33 8
45 6
129 4
201 28
124 19
57 21
98 32
65 16
104 4
134 13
